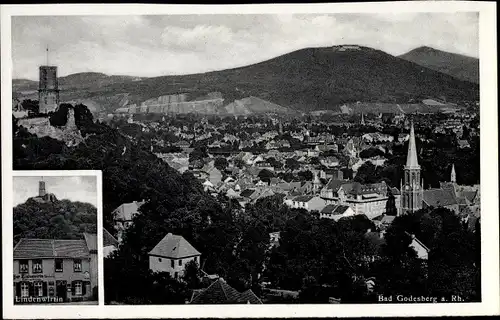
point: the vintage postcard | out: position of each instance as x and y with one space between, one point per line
279 160
55 238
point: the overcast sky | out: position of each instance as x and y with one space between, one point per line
182 44
74 188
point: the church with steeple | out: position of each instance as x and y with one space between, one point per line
412 186
463 200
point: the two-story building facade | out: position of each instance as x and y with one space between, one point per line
367 199
48 270
172 254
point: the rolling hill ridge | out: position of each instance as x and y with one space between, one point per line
456 65
307 79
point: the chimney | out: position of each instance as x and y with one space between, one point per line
41 188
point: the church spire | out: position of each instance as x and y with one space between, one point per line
362 119
453 177
411 159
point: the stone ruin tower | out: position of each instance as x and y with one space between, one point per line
70 123
48 89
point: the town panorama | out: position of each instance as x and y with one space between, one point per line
340 174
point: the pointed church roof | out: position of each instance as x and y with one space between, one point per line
411 159
453 173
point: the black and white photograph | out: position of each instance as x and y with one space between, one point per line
274 158
55 239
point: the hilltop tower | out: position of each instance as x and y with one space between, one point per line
41 189
453 177
362 119
48 88
412 189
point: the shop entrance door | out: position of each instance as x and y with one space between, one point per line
61 290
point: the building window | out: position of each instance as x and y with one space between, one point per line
59 265
78 288
77 265
180 262
172 262
23 266
38 289
159 259
176 275
37 266
25 289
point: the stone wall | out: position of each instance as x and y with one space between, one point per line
41 128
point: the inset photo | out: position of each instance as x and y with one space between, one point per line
55 238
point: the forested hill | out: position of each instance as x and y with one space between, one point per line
456 65
62 219
307 79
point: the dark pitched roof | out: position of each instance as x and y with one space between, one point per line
247 193
50 248
439 197
336 184
108 239
360 189
174 246
334 209
303 198
249 297
219 292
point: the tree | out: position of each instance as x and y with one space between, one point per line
192 275
314 161
199 153
32 106
292 164
59 117
61 219
371 152
305 175
266 175
221 163
239 163
368 173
